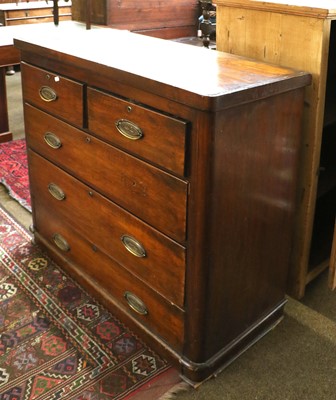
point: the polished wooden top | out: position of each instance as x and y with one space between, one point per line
310 8
157 65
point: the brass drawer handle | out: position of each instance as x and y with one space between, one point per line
129 129
47 94
52 140
60 242
56 191
133 246
135 303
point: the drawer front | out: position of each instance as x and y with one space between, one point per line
144 132
34 12
153 257
27 21
53 93
36 20
37 13
149 308
154 196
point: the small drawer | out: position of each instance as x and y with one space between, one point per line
59 96
153 195
156 137
144 251
130 294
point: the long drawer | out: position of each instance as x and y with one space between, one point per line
153 257
53 93
14 20
154 136
155 196
37 13
134 297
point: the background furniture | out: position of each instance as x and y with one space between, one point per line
300 35
12 1
8 56
165 19
207 22
185 184
32 12
18 15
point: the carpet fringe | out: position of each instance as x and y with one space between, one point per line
178 388
23 202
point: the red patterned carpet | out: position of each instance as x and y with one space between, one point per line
14 171
57 342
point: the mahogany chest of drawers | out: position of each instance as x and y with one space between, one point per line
163 178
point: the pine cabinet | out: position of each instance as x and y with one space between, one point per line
300 35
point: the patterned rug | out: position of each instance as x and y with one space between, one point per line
14 171
57 342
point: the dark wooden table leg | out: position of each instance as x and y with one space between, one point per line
5 134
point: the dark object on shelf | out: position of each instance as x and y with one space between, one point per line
207 22
56 11
88 14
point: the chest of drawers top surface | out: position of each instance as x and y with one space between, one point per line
186 74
